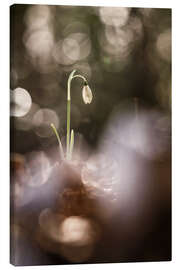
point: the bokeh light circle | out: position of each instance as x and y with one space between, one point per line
20 102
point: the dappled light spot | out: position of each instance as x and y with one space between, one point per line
75 47
25 122
20 102
77 236
38 169
37 16
39 43
76 230
42 120
114 16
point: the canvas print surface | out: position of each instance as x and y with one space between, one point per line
90 128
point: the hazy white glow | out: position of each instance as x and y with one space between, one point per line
84 44
114 16
71 48
141 133
20 102
118 176
73 230
76 235
144 137
39 43
100 171
38 169
25 122
118 36
119 40
37 16
59 56
112 178
29 180
42 120
163 45
39 37
74 47
76 230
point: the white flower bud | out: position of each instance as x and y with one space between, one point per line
87 94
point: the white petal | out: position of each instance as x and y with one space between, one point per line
87 94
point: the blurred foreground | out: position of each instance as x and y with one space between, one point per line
112 202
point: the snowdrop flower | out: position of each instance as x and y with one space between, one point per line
87 94
87 98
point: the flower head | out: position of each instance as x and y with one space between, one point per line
87 94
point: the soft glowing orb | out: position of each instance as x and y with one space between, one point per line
76 230
114 16
20 102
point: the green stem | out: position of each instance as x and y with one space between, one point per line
68 112
68 127
59 141
80 76
71 76
71 144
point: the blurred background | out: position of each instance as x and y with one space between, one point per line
124 135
